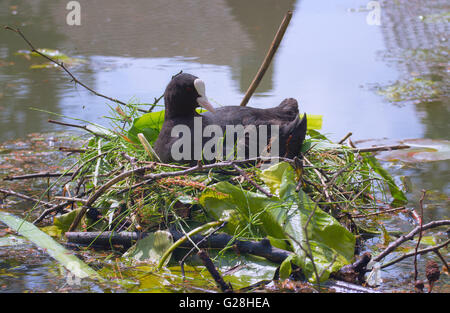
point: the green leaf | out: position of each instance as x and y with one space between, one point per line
54 54
149 124
64 221
283 217
54 249
151 248
242 209
314 121
286 267
53 231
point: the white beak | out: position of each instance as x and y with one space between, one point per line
203 100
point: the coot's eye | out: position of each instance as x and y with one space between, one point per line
188 89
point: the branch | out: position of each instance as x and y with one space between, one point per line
423 251
206 260
416 272
36 175
22 196
84 127
61 64
273 48
374 149
409 236
251 181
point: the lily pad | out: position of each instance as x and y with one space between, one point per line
422 150
54 54
151 248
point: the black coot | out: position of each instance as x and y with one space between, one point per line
186 92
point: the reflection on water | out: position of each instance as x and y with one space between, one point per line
416 39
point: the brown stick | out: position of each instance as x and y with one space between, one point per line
386 211
84 127
25 197
71 199
345 138
273 48
409 236
61 64
206 260
442 258
251 181
377 149
101 190
423 251
72 150
416 272
37 175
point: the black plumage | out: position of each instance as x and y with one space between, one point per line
185 93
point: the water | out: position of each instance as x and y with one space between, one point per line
331 59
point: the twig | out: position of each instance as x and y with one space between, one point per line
72 150
409 236
322 178
77 171
442 258
61 64
196 246
84 127
423 251
155 103
252 182
416 272
25 197
101 190
71 199
345 138
36 175
379 213
273 48
213 271
372 149
152 177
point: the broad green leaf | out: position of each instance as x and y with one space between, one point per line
283 217
243 270
242 209
53 231
286 267
151 248
314 121
272 176
149 124
64 221
45 242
